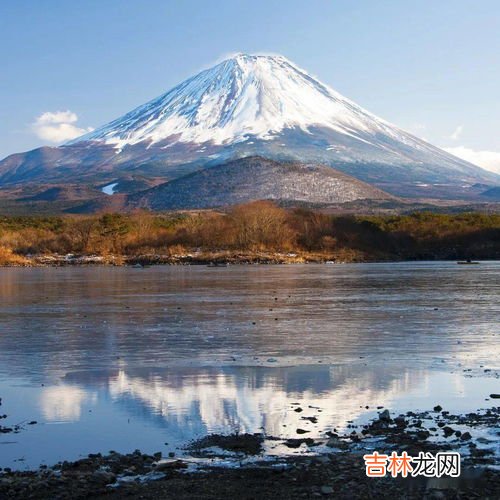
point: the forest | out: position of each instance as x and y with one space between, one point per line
254 232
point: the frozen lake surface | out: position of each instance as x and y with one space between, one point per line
121 358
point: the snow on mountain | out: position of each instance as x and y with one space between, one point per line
247 106
247 96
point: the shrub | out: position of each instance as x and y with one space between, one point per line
9 258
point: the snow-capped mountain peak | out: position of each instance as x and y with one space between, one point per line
246 96
253 106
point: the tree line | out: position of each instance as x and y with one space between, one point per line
256 227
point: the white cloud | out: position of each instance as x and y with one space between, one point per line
58 126
457 132
489 160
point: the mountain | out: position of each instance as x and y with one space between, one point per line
254 178
493 193
251 105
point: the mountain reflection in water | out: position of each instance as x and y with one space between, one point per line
244 399
120 358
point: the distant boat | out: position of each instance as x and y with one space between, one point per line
468 261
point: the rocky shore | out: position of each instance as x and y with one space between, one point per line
239 466
212 259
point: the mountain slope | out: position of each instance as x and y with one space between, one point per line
242 97
254 178
248 106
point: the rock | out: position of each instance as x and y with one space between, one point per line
465 436
301 431
481 452
495 396
104 477
165 466
438 408
334 442
249 444
313 420
483 440
326 490
423 435
385 416
298 410
297 442
400 422
447 431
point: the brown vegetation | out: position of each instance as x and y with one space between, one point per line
253 229
9 258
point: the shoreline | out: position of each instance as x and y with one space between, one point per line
340 475
236 466
210 259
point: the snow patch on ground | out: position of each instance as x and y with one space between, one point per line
109 189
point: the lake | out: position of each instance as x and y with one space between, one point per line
106 358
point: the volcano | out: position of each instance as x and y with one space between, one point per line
251 106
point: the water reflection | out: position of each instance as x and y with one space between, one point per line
64 402
126 409
247 399
135 358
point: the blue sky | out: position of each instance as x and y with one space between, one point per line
430 67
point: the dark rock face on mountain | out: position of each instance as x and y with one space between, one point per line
492 193
256 178
66 192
